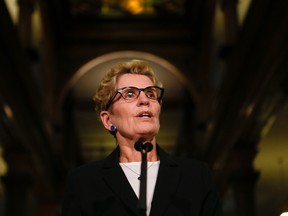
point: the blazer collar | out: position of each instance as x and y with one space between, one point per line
166 185
118 183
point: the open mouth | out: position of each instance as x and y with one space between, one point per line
144 115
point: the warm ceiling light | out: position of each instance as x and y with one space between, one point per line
284 214
133 6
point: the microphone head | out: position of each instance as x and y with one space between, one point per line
148 146
138 146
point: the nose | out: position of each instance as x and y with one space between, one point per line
143 99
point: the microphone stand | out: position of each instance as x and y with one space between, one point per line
143 148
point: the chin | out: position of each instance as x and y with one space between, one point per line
149 133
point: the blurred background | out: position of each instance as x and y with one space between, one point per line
224 66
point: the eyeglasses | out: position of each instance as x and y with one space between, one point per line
131 93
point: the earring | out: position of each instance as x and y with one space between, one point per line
112 128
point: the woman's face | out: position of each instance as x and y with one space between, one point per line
139 118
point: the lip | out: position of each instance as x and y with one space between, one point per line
145 115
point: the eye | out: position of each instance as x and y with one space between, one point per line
130 93
151 93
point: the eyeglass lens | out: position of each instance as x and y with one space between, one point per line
131 93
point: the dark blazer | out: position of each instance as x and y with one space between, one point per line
184 187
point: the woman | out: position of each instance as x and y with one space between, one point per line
128 101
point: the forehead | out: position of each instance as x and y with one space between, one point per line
137 80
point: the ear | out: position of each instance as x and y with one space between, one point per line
105 118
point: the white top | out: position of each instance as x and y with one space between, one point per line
132 171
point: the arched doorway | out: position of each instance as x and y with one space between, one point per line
89 139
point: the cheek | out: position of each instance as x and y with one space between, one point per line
157 117
158 112
158 123
122 118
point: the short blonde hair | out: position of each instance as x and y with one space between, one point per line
107 85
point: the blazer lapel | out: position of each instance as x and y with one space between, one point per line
118 183
166 185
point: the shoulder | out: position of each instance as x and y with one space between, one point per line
94 168
182 162
190 162
197 173
192 166
86 170
189 167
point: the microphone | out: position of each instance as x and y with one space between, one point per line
143 148
139 146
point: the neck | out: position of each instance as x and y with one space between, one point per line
129 154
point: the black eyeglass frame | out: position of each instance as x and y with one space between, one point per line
139 91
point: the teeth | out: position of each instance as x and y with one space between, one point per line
145 115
